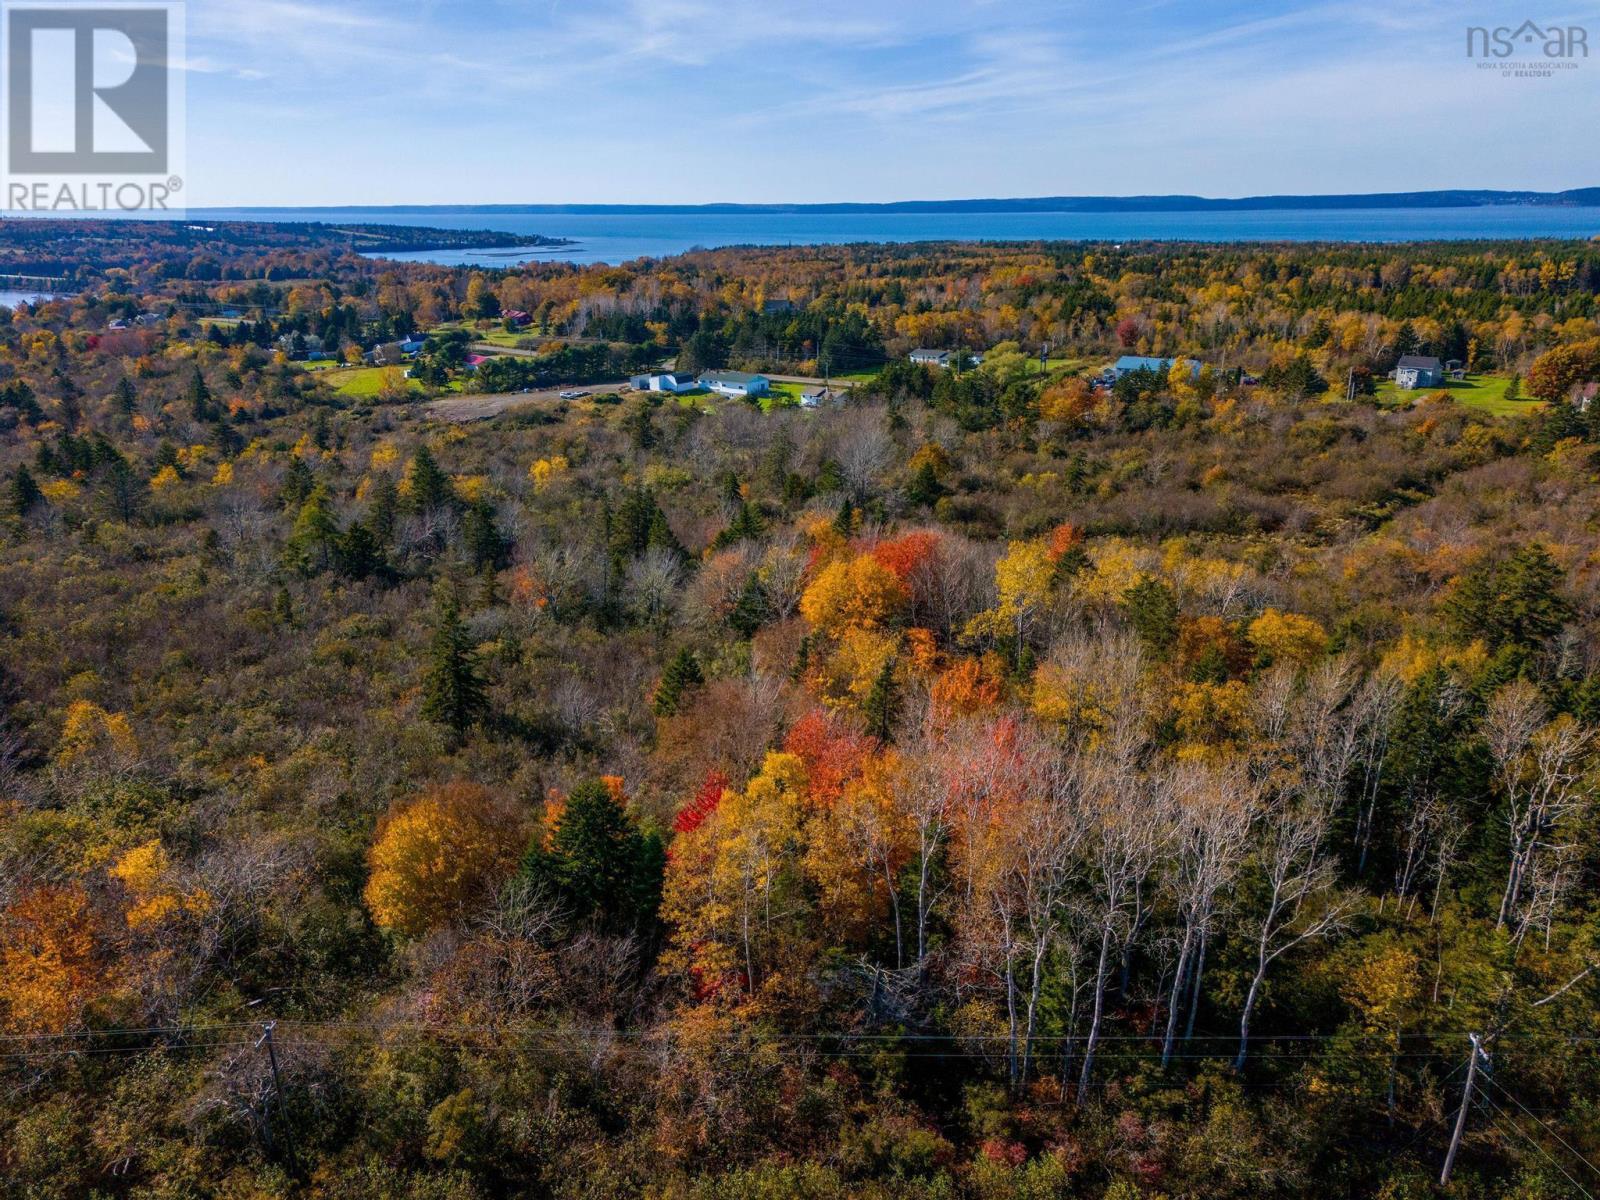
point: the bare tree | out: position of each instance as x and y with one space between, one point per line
1213 810
1125 837
1299 907
1539 769
863 449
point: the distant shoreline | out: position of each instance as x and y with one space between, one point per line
1571 198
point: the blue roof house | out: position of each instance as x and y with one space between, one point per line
1129 363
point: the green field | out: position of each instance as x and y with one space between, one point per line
358 382
494 336
784 395
1484 393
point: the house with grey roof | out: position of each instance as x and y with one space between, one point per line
741 384
1418 371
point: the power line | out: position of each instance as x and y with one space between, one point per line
1492 1082
1532 1142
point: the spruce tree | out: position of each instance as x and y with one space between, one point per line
126 398
924 488
24 492
359 554
297 484
430 487
453 693
486 546
683 674
382 507
1152 610
599 863
844 521
751 611
199 397
315 539
882 704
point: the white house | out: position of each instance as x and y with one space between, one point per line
736 383
665 381
816 398
932 358
1419 371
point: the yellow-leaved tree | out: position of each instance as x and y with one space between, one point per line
853 593
1288 637
438 856
732 888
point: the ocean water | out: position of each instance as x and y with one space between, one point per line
617 237
12 299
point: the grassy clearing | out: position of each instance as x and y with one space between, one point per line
1482 393
495 335
784 395
358 382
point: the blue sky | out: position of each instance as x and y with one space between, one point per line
687 101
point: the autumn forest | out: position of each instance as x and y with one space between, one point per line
1009 779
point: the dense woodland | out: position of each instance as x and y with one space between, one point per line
996 784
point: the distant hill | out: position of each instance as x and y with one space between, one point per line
1573 198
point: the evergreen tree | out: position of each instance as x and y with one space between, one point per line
24 492
453 692
430 487
751 611
359 554
639 524
924 488
882 705
24 495
315 541
844 521
199 395
683 674
747 525
383 505
1515 605
1152 610
599 863
639 426
125 397
283 608
297 485
486 546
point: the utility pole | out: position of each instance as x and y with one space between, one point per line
276 1106
1466 1103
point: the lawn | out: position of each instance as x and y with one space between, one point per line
784 395
496 335
1483 393
358 382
